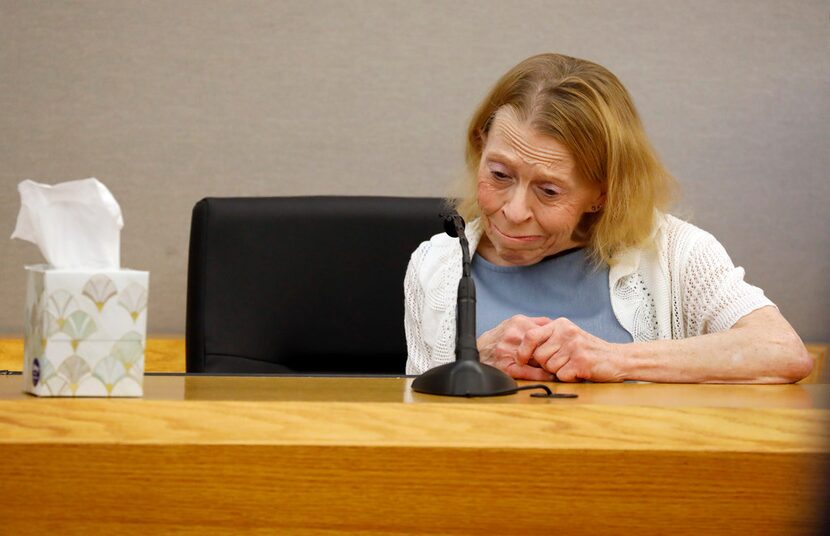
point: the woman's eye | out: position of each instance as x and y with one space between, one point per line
499 175
548 192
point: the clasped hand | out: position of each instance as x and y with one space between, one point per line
541 349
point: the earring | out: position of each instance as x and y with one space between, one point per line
596 208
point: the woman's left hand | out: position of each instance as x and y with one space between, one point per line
572 354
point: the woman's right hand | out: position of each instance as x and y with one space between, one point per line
499 348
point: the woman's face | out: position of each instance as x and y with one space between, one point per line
530 194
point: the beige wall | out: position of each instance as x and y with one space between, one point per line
168 102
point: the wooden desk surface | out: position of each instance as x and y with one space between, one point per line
320 455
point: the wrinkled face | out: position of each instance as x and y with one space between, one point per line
530 193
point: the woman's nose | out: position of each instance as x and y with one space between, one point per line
517 209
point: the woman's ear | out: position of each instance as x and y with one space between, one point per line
598 203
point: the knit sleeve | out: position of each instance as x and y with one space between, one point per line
418 352
715 295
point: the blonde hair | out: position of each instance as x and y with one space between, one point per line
586 108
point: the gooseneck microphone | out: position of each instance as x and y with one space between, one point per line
465 319
467 376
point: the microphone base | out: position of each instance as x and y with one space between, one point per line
464 378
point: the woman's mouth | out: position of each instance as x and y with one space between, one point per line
524 239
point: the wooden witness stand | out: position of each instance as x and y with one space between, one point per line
300 455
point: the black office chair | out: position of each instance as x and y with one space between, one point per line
302 284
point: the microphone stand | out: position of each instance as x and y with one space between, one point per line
467 375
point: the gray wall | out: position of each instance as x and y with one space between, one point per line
168 102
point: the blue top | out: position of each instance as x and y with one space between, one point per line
564 285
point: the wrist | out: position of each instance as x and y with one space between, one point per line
643 361
625 357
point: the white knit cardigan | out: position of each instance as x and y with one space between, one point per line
683 285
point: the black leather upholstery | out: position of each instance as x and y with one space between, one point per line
302 284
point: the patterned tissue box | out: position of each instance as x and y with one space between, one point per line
85 332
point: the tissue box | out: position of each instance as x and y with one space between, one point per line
85 332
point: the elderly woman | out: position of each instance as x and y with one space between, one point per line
580 272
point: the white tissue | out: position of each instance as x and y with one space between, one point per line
76 224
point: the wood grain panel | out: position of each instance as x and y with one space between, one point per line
819 373
162 354
11 353
165 354
396 466
203 489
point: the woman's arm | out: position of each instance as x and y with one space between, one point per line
761 347
729 331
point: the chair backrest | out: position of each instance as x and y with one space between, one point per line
302 284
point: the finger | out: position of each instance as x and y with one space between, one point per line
556 363
568 373
525 372
540 320
513 329
549 354
531 340
566 328
558 349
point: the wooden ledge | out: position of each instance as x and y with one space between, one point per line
164 353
